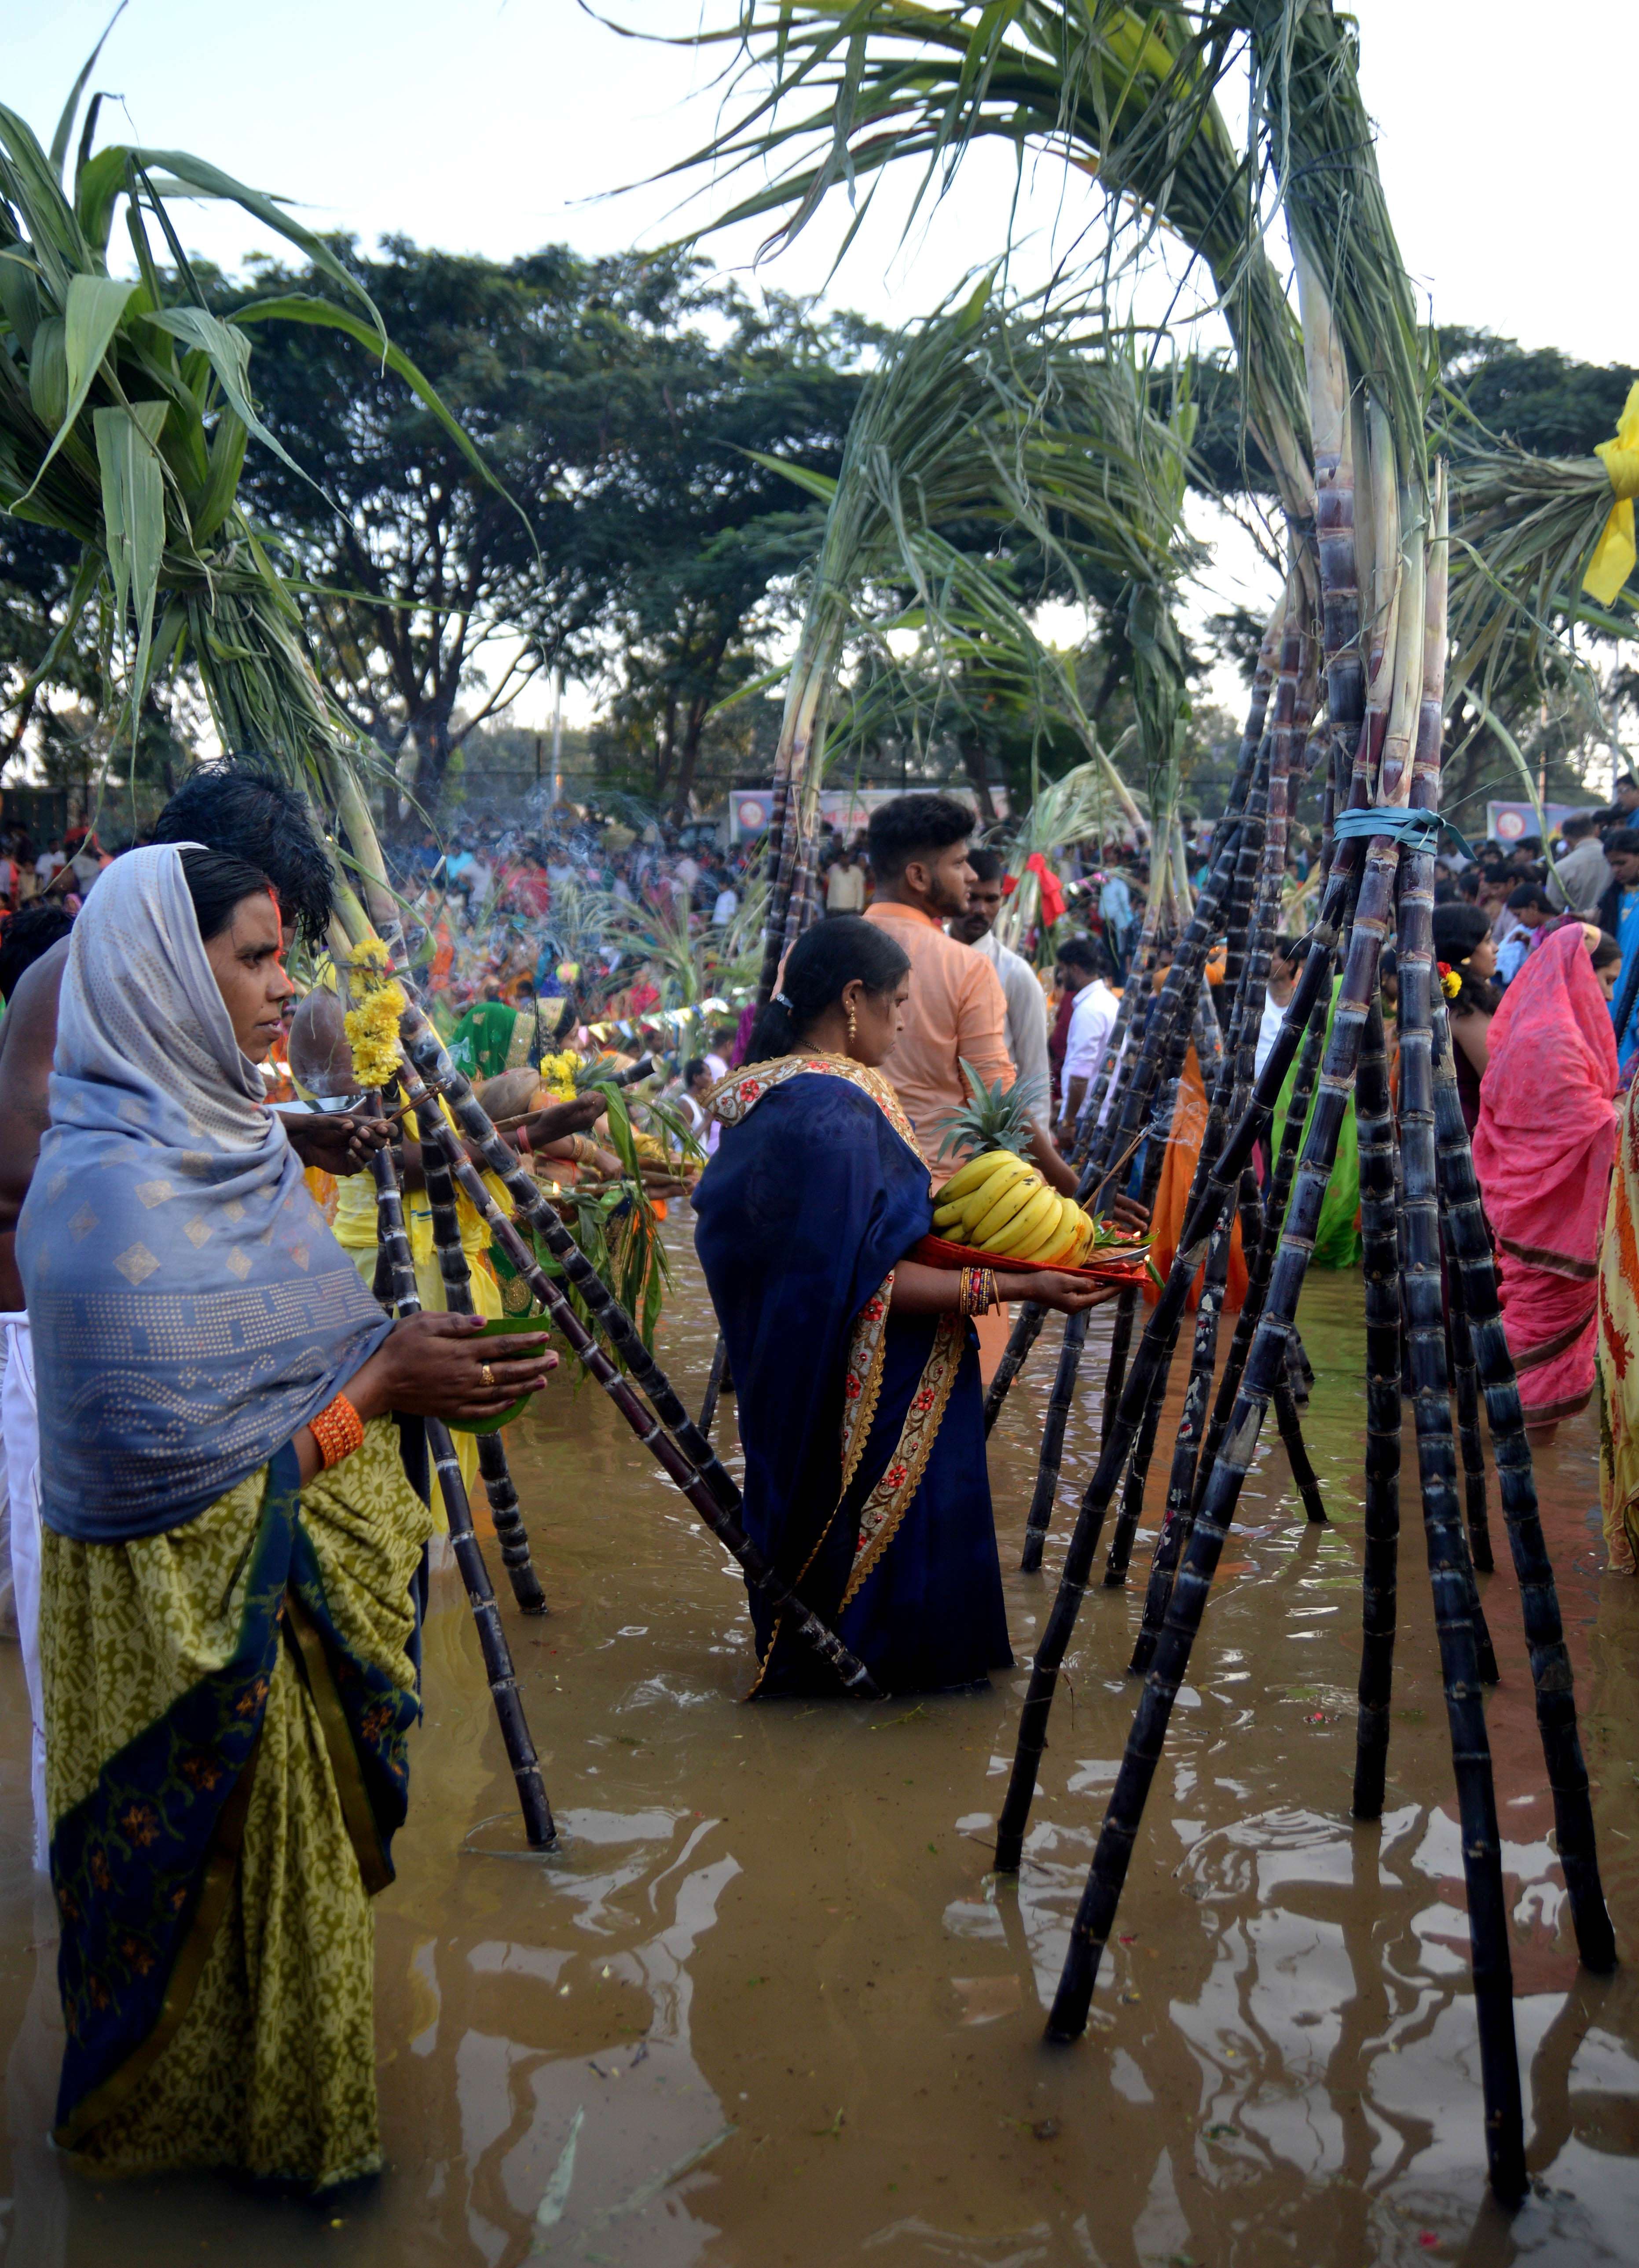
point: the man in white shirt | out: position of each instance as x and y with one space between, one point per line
1580 877
845 884
1285 960
1082 962
1026 1008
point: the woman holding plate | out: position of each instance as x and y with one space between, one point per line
229 1579
856 1367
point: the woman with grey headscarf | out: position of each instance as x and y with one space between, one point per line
229 1551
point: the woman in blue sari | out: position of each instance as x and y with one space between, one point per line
856 1369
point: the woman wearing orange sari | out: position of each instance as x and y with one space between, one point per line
1177 1172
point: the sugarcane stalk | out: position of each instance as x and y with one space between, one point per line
532 1211
1135 1073
504 1509
1250 858
1450 1576
1128 1415
724 1520
1263 1258
1143 1447
1374 1116
395 1263
1127 1309
1551 1678
714 1385
1175 999
1052 1452
1153 1086
1304 1477
1176 1517
1025 1331
1124 1814
1468 1385
538 1828
509 1707
1087 1124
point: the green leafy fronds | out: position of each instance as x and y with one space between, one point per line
996 1117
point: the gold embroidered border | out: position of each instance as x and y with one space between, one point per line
889 1501
861 1379
733 1098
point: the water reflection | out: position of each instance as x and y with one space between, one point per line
769 2005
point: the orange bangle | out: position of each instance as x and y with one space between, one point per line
338 1429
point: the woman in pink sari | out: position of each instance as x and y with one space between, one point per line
1543 1151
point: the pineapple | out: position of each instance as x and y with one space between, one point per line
995 1118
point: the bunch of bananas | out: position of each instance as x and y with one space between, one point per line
998 1203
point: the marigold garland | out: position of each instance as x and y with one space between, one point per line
373 1025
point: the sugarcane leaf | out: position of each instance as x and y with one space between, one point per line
19 294
98 187
221 478
227 350
132 507
302 307
65 124
190 176
818 484
95 305
34 190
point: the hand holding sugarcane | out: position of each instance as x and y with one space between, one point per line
335 1142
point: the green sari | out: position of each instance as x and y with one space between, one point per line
493 1036
226 1704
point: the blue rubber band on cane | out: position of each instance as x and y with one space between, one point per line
1412 830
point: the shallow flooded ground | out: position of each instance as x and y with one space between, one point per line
768 2006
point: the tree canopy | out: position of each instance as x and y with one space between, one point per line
619 401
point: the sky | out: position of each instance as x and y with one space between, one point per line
495 126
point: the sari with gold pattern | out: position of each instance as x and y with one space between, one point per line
865 1479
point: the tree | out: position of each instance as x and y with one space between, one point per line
616 420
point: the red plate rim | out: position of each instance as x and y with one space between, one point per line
939 1252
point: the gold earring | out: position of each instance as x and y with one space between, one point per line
847 1010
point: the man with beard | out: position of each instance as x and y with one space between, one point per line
957 1011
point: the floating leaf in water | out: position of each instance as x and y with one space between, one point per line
549 2212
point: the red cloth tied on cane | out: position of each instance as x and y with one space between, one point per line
1052 896
1543 1151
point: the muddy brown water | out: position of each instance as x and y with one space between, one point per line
771 1994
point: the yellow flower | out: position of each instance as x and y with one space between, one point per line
372 1033
558 1072
370 961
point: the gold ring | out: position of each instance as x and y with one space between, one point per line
487 1376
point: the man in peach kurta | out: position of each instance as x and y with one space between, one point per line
957 1011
